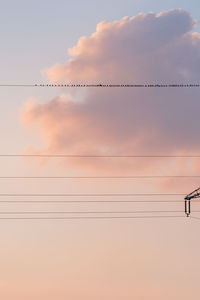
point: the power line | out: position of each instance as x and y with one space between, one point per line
92 212
102 85
90 217
92 201
99 156
85 195
100 177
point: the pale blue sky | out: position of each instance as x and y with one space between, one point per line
37 34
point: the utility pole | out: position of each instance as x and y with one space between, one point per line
193 195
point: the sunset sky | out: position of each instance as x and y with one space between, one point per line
99 42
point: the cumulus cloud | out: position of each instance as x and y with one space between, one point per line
147 48
123 49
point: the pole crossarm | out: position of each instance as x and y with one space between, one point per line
193 195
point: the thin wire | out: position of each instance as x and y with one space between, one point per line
102 85
99 156
92 201
18 85
90 212
82 218
100 177
84 195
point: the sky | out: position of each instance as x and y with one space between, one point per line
90 41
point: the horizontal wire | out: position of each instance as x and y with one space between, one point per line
19 85
102 85
99 156
95 217
100 177
91 212
86 195
92 201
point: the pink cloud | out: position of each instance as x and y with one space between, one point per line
121 50
145 48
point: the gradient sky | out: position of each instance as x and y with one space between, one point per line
94 259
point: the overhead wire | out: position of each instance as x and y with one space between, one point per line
88 217
89 195
91 212
101 177
105 85
100 156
